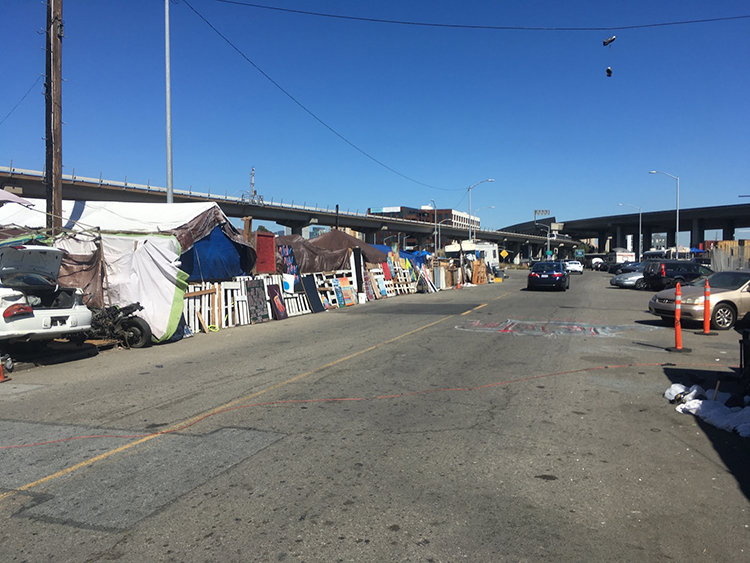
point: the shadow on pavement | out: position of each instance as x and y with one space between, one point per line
46 354
732 449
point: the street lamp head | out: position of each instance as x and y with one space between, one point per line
491 180
652 171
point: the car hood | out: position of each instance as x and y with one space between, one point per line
41 260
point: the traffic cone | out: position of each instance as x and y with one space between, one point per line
677 325
3 378
707 311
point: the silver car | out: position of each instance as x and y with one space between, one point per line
730 300
631 279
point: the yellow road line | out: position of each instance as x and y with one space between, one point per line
215 410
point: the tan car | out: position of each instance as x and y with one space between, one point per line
730 300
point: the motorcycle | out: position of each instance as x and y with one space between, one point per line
120 323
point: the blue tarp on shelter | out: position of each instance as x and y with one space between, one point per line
417 258
214 257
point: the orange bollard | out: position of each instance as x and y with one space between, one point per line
677 317
677 326
707 311
3 379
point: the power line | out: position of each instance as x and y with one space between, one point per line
301 105
38 78
487 27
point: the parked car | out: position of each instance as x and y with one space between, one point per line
573 266
32 304
628 267
548 274
663 274
619 267
632 279
730 300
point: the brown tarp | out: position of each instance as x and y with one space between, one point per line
311 259
84 271
336 240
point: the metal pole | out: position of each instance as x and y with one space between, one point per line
470 213
168 72
435 245
677 227
640 234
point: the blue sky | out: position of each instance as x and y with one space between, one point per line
445 107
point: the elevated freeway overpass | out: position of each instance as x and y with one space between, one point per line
696 221
31 184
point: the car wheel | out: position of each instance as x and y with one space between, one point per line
136 332
567 286
723 317
641 284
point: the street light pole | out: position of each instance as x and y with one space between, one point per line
435 244
168 77
677 205
478 210
471 188
640 229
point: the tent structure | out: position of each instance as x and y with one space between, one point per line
122 252
311 258
336 240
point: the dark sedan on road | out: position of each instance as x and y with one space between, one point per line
548 274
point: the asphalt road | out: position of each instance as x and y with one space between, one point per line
484 424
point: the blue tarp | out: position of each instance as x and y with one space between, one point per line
214 257
417 258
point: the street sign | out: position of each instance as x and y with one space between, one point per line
504 253
580 253
549 253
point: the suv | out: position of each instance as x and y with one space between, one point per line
32 305
662 274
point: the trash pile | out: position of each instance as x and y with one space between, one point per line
726 411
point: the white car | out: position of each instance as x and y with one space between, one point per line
32 305
574 267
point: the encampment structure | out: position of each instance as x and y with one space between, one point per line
121 253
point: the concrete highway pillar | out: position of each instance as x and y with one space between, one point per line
602 241
696 233
370 237
619 237
670 239
297 229
727 230
647 236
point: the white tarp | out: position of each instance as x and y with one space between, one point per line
139 268
113 216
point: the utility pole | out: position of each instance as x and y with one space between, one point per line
53 118
168 76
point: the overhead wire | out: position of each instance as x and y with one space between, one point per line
38 78
485 27
306 109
